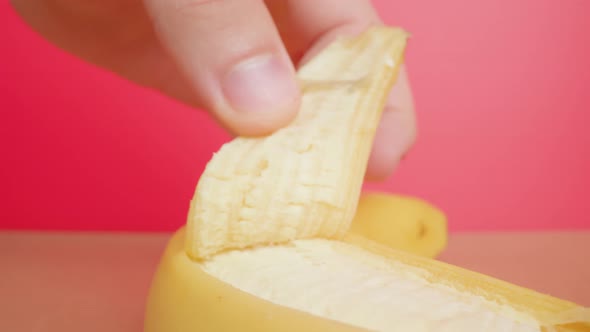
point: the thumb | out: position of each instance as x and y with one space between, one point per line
232 55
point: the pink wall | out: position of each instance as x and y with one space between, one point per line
502 95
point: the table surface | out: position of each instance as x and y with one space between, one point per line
99 281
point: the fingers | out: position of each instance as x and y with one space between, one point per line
396 133
307 26
231 53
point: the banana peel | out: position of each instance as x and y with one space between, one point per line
401 222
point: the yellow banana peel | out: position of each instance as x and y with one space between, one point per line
272 243
401 222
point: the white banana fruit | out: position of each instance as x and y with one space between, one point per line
304 180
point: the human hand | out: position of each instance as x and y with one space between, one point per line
234 58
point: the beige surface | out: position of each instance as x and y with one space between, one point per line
98 282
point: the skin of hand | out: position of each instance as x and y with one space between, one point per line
235 58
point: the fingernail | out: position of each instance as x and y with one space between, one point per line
260 84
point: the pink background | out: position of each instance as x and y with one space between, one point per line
502 97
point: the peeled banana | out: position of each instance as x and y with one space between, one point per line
269 245
401 222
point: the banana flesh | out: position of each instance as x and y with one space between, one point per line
303 181
344 283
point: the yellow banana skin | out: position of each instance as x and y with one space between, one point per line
401 222
269 250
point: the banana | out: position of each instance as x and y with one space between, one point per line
269 246
346 285
401 222
304 180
